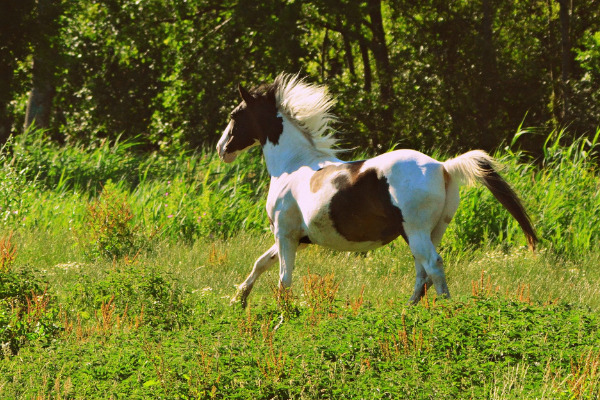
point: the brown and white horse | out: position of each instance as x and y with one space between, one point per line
352 206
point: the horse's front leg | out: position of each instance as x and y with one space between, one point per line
261 265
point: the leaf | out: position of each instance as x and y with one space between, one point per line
151 382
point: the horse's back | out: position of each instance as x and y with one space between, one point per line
408 164
410 171
364 204
417 185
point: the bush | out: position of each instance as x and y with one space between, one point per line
17 191
109 228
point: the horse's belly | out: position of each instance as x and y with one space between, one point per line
359 233
337 242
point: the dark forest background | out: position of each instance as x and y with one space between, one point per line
449 74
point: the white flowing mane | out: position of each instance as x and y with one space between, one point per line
308 105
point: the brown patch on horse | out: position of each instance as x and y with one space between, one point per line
447 219
446 178
362 209
321 176
255 119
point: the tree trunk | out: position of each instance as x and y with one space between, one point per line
39 104
347 47
489 75
379 48
550 50
567 57
324 50
380 53
364 53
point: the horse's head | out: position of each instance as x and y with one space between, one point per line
253 122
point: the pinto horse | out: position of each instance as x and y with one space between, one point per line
314 197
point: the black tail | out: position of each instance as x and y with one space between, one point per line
508 198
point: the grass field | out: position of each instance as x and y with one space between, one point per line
116 272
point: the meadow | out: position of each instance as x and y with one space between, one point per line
117 268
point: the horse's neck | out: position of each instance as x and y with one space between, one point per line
293 151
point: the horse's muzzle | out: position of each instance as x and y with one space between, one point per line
224 155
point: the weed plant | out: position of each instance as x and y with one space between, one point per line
27 310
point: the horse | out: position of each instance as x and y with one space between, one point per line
316 198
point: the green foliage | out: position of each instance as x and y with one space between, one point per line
562 198
131 291
78 167
590 55
28 312
468 347
420 74
569 212
17 193
587 103
180 196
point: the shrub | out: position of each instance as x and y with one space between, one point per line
108 227
17 193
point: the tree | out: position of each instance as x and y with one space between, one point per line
412 74
15 33
566 56
45 63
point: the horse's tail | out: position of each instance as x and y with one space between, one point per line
478 166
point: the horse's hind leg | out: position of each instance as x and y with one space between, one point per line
451 202
422 282
450 206
429 265
261 265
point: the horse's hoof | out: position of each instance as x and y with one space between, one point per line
240 298
412 302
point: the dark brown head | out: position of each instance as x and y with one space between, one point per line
253 122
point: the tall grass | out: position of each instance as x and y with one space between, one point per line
185 195
178 196
560 192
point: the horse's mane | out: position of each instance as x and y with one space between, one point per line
308 106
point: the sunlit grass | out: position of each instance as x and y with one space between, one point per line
155 318
370 294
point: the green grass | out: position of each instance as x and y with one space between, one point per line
115 282
161 326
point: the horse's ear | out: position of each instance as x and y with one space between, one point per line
246 96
